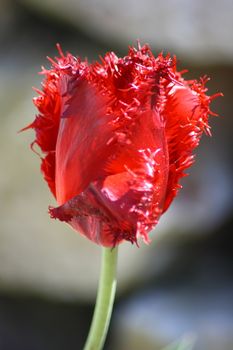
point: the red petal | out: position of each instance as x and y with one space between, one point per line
48 170
46 123
186 113
49 104
127 203
82 144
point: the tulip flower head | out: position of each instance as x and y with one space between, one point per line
116 137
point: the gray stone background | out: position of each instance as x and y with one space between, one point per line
180 285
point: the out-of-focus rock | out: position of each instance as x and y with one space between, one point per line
7 18
198 30
200 309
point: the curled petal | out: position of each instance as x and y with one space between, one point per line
82 144
185 112
127 201
49 104
48 170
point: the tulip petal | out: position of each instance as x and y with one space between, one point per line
46 126
186 115
82 144
49 104
127 203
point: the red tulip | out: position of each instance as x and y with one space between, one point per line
116 138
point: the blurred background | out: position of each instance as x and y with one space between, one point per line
180 285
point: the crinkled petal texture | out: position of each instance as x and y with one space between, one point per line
117 136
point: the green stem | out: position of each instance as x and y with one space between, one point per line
104 301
